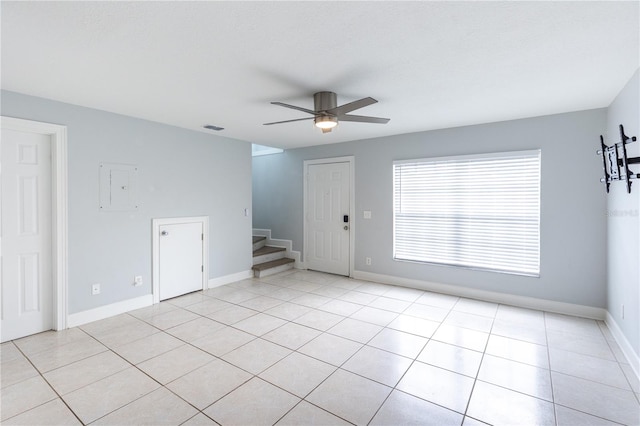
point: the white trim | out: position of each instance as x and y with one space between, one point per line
352 196
231 278
108 311
625 346
59 210
489 296
155 242
286 244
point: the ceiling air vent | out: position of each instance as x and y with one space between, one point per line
212 127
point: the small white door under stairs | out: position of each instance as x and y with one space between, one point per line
179 256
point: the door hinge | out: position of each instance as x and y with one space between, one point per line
202 237
202 268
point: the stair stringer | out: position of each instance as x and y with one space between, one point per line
286 244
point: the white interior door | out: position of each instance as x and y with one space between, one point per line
25 259
328 223
181 255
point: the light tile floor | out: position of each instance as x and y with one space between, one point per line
303 348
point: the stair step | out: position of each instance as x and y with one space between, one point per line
267 250
271 264
272 267
267 254
259 241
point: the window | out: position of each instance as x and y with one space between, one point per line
476 211
258 150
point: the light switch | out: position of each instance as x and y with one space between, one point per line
367 214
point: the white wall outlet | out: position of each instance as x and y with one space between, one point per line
137 280
367 260
367 214
95 289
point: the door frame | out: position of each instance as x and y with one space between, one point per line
59 210
352 195
155 239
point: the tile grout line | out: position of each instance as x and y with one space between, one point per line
256 376
385 327
336 368
609 343
413 361
553 394
296 351
109 349
484 352
365 344
327 331
48 384
163 385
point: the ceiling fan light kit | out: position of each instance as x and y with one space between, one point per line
327 113
326 122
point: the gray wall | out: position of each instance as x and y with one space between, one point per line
180 173
573 228
623 276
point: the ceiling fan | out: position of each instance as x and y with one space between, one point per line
326 113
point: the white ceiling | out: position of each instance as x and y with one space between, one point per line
429 64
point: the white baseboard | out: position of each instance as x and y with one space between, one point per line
107 311
489 296
514 300
625 346
286 244
118 308
231 278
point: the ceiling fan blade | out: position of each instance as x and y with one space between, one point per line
363 119
352 106
295 107
288 121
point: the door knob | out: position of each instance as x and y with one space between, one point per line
346 228
163 233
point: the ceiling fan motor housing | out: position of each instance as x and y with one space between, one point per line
326 112
323 101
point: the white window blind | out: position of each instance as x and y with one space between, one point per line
478 211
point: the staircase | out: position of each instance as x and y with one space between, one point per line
268 260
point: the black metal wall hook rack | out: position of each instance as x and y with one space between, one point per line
616 163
